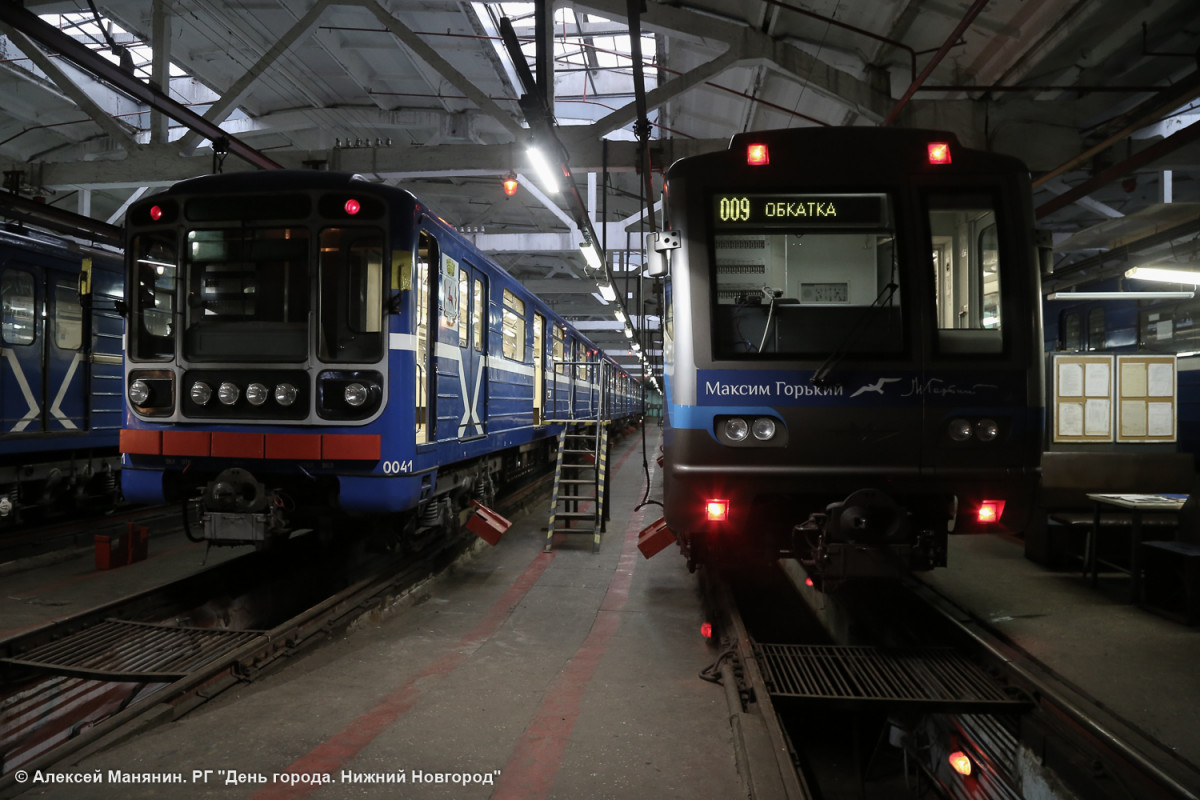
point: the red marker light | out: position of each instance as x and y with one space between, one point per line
757 155
156 213
990 511
809 582
939 153
716 510
960 762
352 207
706 630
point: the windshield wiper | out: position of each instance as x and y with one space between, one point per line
821 376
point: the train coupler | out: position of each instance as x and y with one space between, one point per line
238 509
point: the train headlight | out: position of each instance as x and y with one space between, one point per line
139 392
986 430
228 393
355 394
200 393
256 394
763 428
960 430
736 428
285 394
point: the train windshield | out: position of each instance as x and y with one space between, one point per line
247 294
805 275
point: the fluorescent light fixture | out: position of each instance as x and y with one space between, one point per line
592 257
607 291
546 174
620 315
1164 275
1120 295
628 332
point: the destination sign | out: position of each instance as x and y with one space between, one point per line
799 210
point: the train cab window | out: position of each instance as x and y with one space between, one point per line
966 263
19 299
351 296
514 327
68 317
152 295
247 294
805 275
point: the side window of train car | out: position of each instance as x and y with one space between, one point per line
68 317
152 295
464 292
19 318
426 254
478 316
514 327
1096 329
351 298
1070 331
966 260
557 333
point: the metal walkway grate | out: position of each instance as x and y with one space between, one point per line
938 678
121 650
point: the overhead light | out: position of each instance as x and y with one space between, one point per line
1120 295
619 314
628 332
607 291
510 184
592 257
546 174
1164 275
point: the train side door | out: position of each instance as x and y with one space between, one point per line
425 328
66 369
21 387
539 374
472 343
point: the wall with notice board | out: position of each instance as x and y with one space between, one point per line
1105 398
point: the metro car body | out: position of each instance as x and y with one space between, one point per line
60 376
853 349
308 345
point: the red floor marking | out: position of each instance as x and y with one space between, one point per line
531 769
336 751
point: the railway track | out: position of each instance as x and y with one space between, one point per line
880 712
90 681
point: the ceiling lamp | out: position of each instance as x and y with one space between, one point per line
1164 275
510 184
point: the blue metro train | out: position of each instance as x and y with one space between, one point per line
60 376
306 345
854 349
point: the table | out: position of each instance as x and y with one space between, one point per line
1137 504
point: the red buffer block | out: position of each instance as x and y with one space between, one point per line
117 551
487 524
654 538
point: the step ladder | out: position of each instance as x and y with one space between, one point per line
577 501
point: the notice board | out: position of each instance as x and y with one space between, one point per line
1146 398
1084 388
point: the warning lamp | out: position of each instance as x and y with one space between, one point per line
809 582
716 510
757 155
960 762
352 206
990 511
510 184
939 152
156 213
706 630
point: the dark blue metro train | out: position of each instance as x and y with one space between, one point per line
60 376
304 345
854 357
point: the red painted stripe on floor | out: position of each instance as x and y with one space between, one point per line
535 762
335 752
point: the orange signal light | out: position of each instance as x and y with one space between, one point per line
716 510
510 184
990 511
757 155
960 762
939 152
